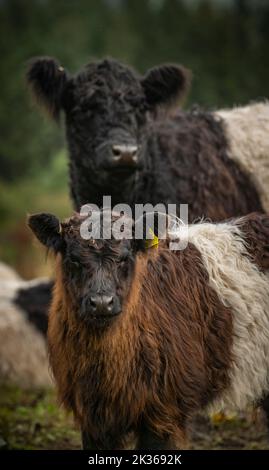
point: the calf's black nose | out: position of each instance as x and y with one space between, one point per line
102 304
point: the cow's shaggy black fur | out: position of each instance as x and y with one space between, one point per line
182 157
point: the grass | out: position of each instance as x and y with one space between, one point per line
33 420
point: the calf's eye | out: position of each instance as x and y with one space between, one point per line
74 262
124 267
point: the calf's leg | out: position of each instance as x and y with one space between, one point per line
265 407
147 440
87 441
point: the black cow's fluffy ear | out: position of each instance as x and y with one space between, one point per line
47 80
166 85
47 229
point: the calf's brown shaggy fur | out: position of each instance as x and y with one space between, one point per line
171 350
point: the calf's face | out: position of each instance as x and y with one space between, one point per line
96 274
107 106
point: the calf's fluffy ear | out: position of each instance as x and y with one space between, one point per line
47 80
166 85
152 231
47 229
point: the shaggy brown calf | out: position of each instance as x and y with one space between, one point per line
140 339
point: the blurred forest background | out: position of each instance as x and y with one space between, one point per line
224 42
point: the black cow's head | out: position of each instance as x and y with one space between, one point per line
96 273
107 106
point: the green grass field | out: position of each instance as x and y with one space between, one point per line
33 420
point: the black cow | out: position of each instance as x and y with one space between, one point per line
126 140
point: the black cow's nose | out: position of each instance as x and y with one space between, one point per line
125 153
102 304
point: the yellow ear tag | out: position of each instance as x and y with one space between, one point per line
152 242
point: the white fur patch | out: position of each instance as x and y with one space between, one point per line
242 287
247 130
23 350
